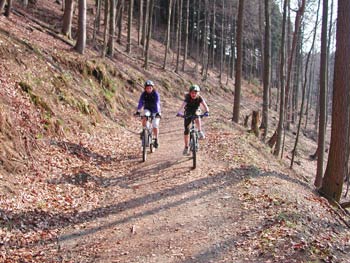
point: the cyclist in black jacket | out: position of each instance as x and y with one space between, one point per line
190 106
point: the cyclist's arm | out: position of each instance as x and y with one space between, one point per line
205 105
158 110
141 102
181 109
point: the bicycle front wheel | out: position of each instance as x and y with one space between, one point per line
144 145
193 143
151 143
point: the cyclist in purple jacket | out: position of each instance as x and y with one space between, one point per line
150 100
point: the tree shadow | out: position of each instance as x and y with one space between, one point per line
43 220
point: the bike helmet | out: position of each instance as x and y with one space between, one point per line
194 88
149 83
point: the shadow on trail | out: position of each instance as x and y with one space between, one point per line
44 220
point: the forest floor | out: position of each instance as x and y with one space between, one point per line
88 197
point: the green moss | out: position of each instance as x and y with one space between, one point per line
25 87
36 100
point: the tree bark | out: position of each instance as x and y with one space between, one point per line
81 40
139 32
131 9
67 18
336 169
149 33
111 35
179 32
170 2
282 88
186 34
304 86
322 96
267 66
238 77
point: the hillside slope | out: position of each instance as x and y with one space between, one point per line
74 189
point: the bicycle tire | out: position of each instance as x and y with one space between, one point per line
193 144
151 145
144 145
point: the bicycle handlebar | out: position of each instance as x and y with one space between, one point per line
192 116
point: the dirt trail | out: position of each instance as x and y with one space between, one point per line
161 210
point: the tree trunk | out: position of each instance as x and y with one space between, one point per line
337 161
81 40
304 86
198 34
97 21
255 123
266 76
170 2
179 32
145 24
213 35
322 96
282 88
8 8
105 34
222 40
149 33
67 18
186 34
120 21
139 32
112 14
2 5
238 76
131 9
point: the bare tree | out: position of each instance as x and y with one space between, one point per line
139 31
111 35
8 8
304 86
81 40
179 33
322 96
336 169
267 65
120 20
186 33
238 76
170 2
67 18
106 22
131 9
278 132
149 33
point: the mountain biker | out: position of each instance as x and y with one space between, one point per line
191 105
150 100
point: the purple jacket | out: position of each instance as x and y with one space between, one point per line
149 101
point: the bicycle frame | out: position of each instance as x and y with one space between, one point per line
147 135
194 142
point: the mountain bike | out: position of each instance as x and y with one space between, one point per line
194 135
147 139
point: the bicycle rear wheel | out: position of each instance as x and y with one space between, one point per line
144 145
193 143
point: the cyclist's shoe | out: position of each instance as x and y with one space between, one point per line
186 151
201 135
156 144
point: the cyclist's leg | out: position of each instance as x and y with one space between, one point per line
199 127
187 123
155 124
